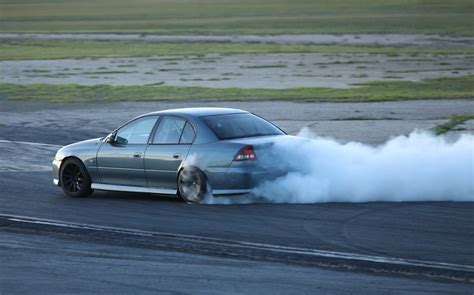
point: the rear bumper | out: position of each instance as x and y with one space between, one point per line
240 180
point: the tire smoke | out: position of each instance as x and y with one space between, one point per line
417 167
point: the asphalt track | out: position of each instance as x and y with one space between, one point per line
134 243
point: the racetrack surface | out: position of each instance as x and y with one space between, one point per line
431 231
439 232
37 264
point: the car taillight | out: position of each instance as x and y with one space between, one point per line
245 153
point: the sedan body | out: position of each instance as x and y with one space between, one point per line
184 152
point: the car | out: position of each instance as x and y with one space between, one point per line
187 153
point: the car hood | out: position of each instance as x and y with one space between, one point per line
91 142
75 149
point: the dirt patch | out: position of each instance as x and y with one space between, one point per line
272 71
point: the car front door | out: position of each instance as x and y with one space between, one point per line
167 150
121 162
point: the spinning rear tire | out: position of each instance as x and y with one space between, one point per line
192 185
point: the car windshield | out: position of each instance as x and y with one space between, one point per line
232 126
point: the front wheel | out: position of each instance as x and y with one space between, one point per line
74 179
191 185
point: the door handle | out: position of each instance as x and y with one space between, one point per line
177 156
137 155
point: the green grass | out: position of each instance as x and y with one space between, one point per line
265 66
392 77
58 49
444 88
426 70
131 66
107 72
238 17
359 76
454 121
37 71
171 70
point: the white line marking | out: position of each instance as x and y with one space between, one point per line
30 143
250 245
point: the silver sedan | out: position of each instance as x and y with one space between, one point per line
184 152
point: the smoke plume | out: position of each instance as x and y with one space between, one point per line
418 167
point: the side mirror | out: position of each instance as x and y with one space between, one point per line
110 138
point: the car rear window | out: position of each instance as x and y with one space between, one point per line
232 126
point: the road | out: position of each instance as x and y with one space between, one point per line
188 249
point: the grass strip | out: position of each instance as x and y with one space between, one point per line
15 49
239 17
454 121
442 88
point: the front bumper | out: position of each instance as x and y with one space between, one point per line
56 165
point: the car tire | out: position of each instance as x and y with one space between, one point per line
74 179
192 185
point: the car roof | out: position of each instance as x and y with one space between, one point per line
199 112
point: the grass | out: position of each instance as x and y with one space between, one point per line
359 76
238 17
305 75
454 121
127 66
193 79
265 66
170 70
37 71
426 70
231 74
392 77
11 49
346 62
107 72
443 88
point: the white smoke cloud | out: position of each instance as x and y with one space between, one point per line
418 167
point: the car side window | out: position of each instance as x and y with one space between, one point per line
136 132
169 130
188 134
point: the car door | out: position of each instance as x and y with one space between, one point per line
121 162
168 148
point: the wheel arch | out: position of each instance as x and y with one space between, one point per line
78 183
62 164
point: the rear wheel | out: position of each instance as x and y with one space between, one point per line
191 185
75 180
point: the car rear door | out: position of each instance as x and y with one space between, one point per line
122 162
168 148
